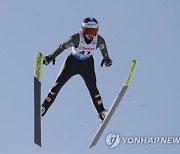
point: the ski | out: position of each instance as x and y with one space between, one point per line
37 97
115 103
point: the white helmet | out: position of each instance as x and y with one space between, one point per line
90 26
90 23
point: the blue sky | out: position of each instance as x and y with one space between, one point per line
146 30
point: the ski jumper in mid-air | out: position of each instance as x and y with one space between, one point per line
80 61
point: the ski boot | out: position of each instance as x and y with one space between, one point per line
43 111
102 115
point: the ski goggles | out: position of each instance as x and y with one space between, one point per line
92 31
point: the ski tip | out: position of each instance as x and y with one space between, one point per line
134 61
38 64
130 73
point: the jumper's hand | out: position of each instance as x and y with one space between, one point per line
48 59
107 62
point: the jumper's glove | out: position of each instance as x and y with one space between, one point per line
107 62
48 59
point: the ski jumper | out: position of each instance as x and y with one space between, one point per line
80 61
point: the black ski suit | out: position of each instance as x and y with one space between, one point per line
73 65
